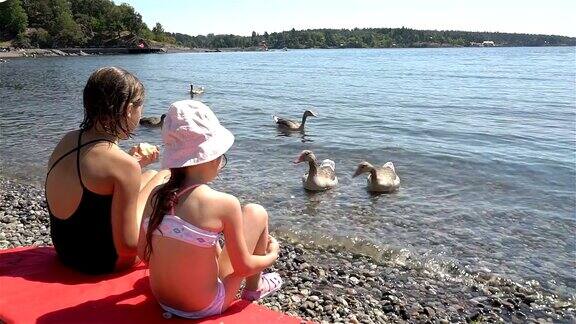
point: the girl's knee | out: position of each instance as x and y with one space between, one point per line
161 177
255 211
149 174
146 177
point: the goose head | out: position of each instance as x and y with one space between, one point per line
308 113
162 117
305 156
363 167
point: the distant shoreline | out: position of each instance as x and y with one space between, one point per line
61 52
72 52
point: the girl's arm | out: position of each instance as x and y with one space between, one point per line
142 238
142 245
243 261
125 216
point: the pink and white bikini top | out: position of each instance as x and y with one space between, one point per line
175 227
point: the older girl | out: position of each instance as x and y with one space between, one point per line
96 192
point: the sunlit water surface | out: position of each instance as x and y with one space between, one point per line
483 140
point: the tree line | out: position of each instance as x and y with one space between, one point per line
102 23
70 23
368 38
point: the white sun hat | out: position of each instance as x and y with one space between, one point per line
193 135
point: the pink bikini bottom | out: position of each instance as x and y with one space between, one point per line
214 308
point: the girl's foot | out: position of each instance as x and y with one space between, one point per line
269 283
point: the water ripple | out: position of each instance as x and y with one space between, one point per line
483 140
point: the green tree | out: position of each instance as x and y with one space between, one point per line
13 18
97 9
158 32
130 20
254 39
146 33
113 25
101 23
158 29
92 16
40 38
39 13
21 41
88 24
68 32
65 30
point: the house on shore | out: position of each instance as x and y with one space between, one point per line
483 44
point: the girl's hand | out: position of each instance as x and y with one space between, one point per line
145 153
273 246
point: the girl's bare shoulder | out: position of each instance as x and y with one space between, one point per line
217 200
67 144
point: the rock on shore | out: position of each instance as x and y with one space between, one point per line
331 286
32 52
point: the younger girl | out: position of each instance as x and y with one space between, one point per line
189 274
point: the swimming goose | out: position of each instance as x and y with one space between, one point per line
196 90
152 121
287 124
318 178
381 179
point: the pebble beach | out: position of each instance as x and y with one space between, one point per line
329 285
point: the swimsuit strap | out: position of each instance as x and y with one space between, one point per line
179 194
78 159
185 190
78 155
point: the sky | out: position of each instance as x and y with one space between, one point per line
241 17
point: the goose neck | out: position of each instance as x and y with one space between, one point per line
313 167
303 120
373 174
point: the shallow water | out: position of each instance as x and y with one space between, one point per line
482 138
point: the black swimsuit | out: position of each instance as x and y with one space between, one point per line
84 240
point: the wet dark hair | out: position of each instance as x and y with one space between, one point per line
164 199
107 95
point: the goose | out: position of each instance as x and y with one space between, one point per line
196 91
287 124
152 121
319 178
381 179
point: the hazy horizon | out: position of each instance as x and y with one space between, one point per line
241 18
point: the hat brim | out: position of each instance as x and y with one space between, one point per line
213 148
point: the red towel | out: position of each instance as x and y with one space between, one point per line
36 288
